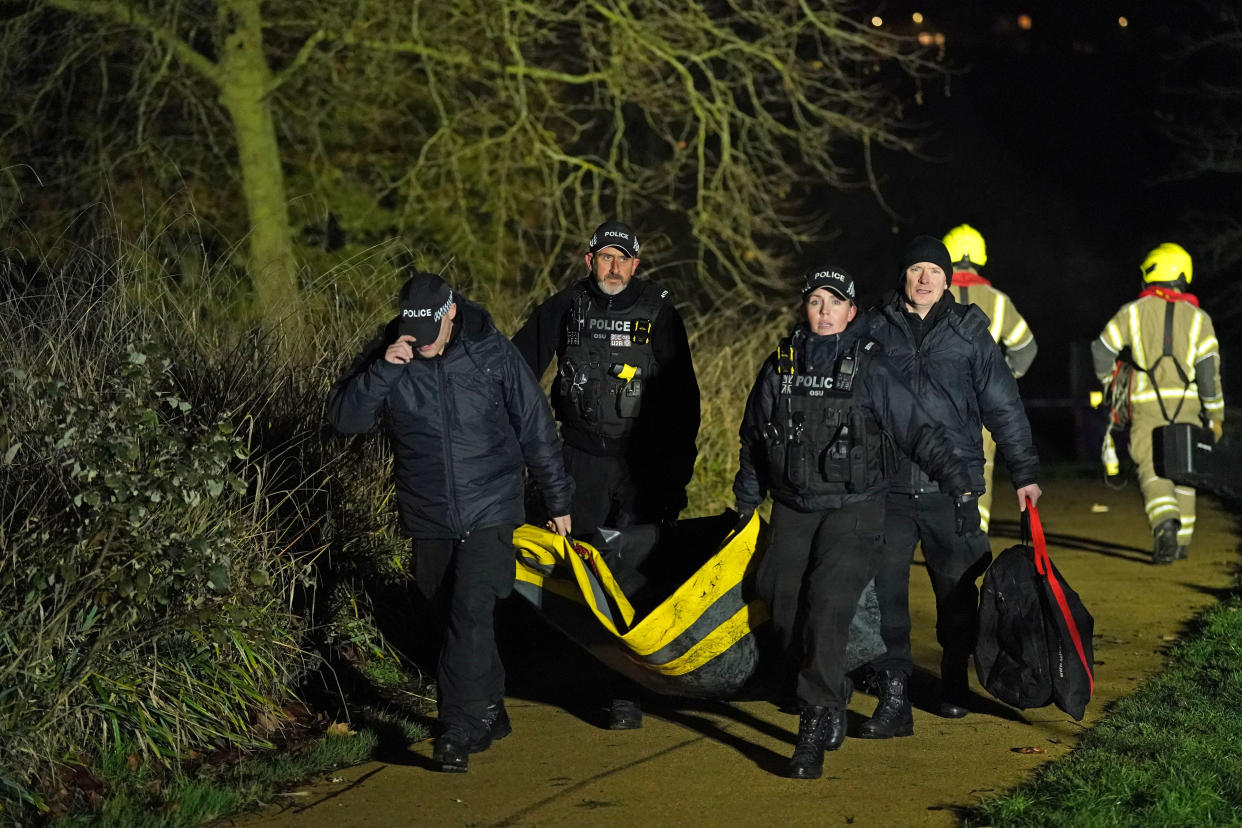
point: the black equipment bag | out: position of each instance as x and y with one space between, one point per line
1034 643
1183 452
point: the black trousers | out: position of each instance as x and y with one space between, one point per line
463 579
816 567
604 492
954 564
619 491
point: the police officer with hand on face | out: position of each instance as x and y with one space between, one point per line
625 394
464 415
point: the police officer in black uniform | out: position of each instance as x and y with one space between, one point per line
819 418
946 352
625 394
464 417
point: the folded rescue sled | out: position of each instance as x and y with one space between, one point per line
686 627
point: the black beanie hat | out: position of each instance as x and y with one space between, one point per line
927 249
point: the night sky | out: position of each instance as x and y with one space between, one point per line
1048 142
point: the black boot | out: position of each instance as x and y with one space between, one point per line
819 729
893 715
1164 548
834 729
625 714
452 752
954 686
496 719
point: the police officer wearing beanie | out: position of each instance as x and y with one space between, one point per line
625 394
969 252
464 415
957 370
817 422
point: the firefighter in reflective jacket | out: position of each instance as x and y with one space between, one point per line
969 252
1176 379
818 420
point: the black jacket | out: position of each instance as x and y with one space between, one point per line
959 374
462 427
884 397
665 433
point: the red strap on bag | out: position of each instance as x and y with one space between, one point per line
1043 565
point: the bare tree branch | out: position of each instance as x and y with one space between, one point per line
127 14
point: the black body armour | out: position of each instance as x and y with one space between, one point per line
607 363
820 441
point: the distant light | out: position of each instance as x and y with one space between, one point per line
917 17
1024 22
925 38
1122 22
939 38
877 21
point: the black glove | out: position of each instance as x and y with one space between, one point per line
966 515
743 517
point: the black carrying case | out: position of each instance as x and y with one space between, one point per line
1184 453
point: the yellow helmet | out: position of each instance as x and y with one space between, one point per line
1167 263
965 243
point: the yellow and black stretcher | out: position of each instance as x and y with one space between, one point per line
695 637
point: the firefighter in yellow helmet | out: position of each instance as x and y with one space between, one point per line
969 253
1172 346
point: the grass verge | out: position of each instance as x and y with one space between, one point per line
1166 755
124 793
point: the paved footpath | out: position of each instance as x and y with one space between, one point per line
719 763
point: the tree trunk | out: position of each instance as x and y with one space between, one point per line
245 77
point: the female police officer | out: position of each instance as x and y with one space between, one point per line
817 423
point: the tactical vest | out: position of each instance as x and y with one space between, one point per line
820 441
607 363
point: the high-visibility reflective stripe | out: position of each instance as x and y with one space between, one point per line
1207 348
998 317
1150 395
1158 516
1136 347
1113 333
1195 327
1161 504
1019 336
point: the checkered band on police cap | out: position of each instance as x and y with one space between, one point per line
615 234
830 278
424 300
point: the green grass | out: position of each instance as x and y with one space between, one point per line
135 795
1166 755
